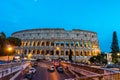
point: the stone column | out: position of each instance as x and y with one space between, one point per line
27 52
54 54
64 53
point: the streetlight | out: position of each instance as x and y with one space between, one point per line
9 50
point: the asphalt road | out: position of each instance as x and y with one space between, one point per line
43 74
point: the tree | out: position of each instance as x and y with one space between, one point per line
14 41
101 59
2 43
7 41
114 47
70 56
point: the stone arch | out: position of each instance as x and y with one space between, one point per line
42 43
77 53
47 43
67 53
33 43
36 43
62 44
81 43
25 51
67 44
76 43
42 52
47 52
85 53
28 43
62 53
52 52
29 51
57 52
22 43
81 53
33 52
37 51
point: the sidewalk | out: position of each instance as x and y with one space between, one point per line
19 75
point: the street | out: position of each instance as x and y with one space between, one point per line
42 73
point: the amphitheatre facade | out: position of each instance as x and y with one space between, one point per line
54 43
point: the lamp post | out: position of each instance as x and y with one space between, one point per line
9 50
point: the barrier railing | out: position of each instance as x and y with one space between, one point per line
9 69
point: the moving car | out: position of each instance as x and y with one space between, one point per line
60 69
110 66
51 68
32 70
28 76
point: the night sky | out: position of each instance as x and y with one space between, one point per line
101 16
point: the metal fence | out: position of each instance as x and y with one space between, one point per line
8 69
114 76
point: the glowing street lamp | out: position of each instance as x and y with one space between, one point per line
9 50
118 54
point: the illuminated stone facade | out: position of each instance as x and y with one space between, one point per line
56 43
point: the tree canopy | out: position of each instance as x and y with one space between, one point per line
14 41
114 47
4 41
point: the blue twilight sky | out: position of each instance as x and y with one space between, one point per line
101 16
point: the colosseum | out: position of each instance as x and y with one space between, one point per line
55 43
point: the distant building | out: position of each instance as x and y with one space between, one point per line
56 43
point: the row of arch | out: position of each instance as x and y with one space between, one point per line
60 52
85 44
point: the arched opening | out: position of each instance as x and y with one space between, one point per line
42 52
52 52
62 44
33 52
72 44
43 43
29 51
38 52
38 44
85 54
57 52
62 53
67 44
47 52
67 53
81 44
77 53
25 51
52 43
47 43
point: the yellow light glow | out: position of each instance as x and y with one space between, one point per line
57 48
9 49
29 55
118 54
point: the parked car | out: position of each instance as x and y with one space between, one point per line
60 69
110 66
32 70
28 76
51 68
